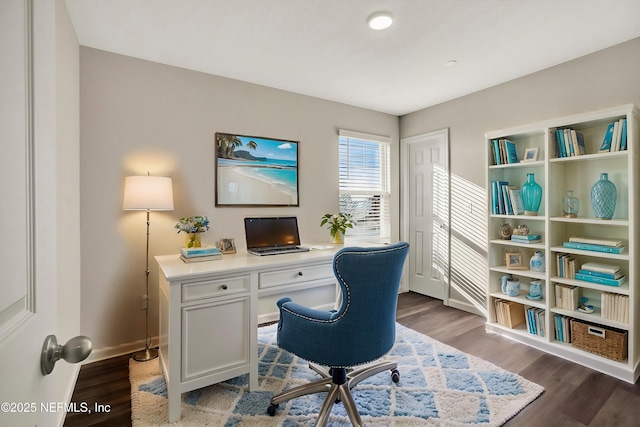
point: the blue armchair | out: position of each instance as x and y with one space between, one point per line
359 332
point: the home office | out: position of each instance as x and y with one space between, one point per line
113 115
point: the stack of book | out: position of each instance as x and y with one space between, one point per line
208 253
615 307
602 274
535 321
529 238
597 245
562 328
566 265
616 137
506 199
509 313
567 297
570 143
504 152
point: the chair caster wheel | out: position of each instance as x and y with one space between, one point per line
395 375
271 410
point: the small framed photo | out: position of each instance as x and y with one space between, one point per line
226 246
530 154
514 261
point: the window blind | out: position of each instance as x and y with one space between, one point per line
364 181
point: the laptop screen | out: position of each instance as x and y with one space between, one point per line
271 232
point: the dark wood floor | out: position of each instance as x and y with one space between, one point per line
574 395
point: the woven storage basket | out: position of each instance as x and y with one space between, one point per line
607 342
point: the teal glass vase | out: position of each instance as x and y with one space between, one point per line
531 194
603 197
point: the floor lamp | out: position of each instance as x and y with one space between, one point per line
148 193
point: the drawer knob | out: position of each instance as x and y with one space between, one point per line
224 287
299 273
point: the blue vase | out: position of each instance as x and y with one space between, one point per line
603 197
531 194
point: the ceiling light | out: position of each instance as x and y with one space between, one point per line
380 20
451 63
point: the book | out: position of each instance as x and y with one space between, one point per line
601 267
582 148
507 199
616 275
595 248
560 142
496 152
512 154
615 137
605 147
516 201
601 280
495 210
198 252
200 258
623 138
594 241
526 237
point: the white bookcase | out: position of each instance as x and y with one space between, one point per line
556 175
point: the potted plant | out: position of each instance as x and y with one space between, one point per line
337 225
193 226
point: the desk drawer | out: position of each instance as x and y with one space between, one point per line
292 276
215 288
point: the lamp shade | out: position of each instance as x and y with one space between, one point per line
148 193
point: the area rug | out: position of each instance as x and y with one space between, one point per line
439 386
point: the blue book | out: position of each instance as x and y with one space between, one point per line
582 149
605 147
198 252
495 209
496 151
562 152
527 237
501 207
601 280
623 138
512 154
595 248
615 275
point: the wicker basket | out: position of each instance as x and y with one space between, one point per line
607 342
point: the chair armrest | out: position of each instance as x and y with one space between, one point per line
289 307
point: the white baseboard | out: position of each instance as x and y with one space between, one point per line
464 306
119 350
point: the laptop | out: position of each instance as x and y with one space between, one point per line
272 235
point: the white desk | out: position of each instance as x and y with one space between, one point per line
210 311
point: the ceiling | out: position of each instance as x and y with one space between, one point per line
324 49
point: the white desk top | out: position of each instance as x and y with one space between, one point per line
176 269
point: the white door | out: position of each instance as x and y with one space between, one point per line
425 173
28 252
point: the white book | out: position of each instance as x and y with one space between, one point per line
594 241
601 267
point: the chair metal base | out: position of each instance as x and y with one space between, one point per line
337 384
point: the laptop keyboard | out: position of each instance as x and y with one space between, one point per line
278 250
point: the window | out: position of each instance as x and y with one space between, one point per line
365 184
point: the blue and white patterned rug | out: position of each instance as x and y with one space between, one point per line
439 385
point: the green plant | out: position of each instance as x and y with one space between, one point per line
338 223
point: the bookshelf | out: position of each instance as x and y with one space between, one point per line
557 169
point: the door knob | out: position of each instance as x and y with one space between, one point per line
75 350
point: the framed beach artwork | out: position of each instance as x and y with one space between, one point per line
255 171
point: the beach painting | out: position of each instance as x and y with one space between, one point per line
255 171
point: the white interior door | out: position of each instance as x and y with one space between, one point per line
425 213
28 253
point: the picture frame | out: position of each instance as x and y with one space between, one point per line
226 246
531 154
255 171
514 261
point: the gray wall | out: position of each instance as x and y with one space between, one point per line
138 116
604 79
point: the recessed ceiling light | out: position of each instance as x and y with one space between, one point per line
451 63
380 20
